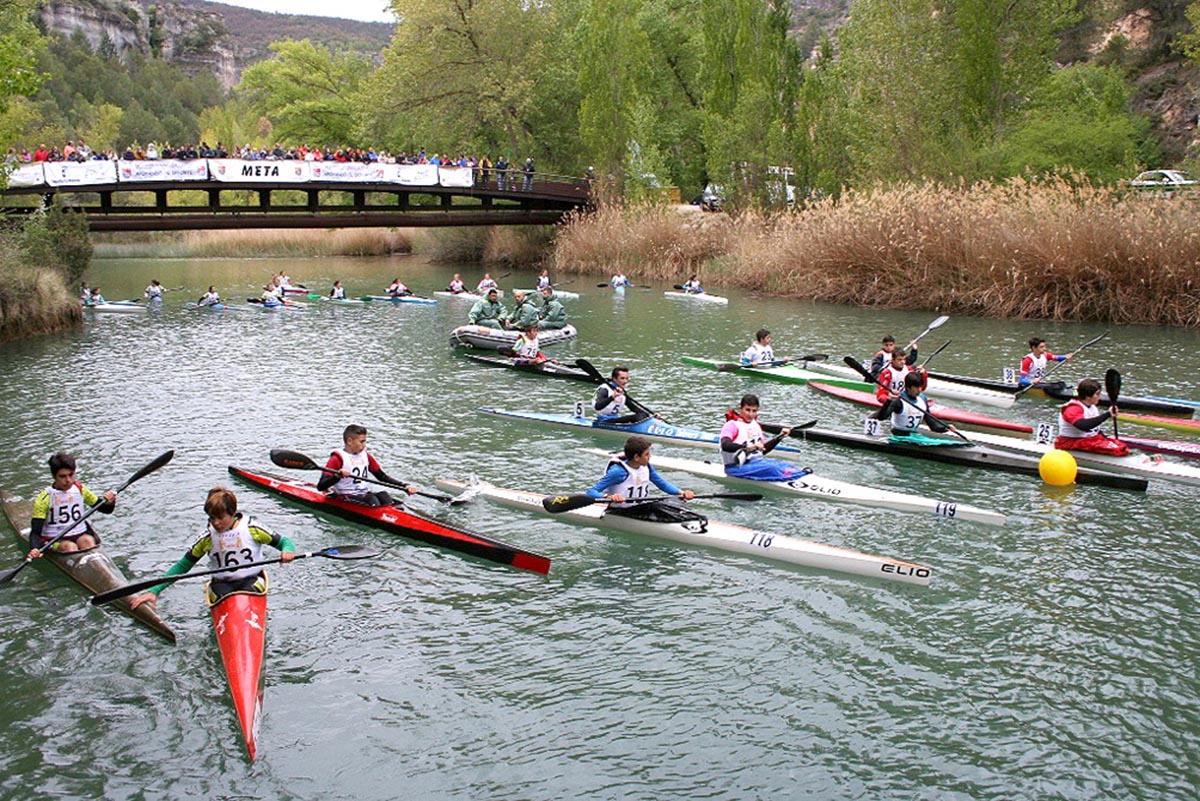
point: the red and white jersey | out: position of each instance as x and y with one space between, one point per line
892 381
742 433
359 464
1071 411
1034 367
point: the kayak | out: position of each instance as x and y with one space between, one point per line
344 301
296 290
481 336
291 305
214 307
700 296
714 534
936 388
403 299
93 569
1181 401
826 489
1172 423
398 521
1135 464
1185 450
787 373
971 456
561 294
551 369
1060 391
116 307
957 416
240 625
471 296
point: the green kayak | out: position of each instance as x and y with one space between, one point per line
788 373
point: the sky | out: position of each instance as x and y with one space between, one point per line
366 10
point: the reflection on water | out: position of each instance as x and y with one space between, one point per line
1053 657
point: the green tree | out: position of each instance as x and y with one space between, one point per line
307 92
19 45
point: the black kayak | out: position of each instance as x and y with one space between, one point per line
1061 391
551 369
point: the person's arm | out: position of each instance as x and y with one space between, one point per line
374 469
882 393
729 432
1074 415
887 409
911 359
91 499
287 551
877 363
604 396
328 479
611 478
668 487
1026 366
936 426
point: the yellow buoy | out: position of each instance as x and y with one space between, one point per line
1057 468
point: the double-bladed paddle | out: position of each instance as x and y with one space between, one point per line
1112 385
1055 366
333 552
298 461
936 352
597 378
565 503
853 362
732 367
938 323
145 471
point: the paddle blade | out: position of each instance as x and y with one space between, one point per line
858 368
9 575
554 504
811 357
728 367
590 369
939 322
348 552
148 469
1112 384
293 460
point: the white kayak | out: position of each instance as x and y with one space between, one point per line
1135 464
699 296
480 336
828 489
446 293
561 294
116 307
713 534
937 388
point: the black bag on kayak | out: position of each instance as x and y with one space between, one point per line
664 510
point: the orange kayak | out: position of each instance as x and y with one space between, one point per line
240 624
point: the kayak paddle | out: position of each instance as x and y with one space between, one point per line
1055 366
145 471
565 503
298 461
333 552
938 323
936 352
853 362
597 378
1112 385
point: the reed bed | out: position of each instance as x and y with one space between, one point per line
1058 248
304 243
33 301
503 246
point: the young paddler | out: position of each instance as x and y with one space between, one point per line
337 292
231 539
526 350
883 356
154 292
760 353
398 289
57 507
744 447
629 477
486 283
211 297
909 408
1079 421
488 311
611 403
543 281
1033 366
351 462
892 378
456 285
553 315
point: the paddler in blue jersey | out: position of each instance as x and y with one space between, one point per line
57 507
488 311
351 462
628 479
909 408
744 447
230 540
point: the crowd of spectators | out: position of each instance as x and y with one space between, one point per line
508 175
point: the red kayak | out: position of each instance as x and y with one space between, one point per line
399 521
240 623
956 416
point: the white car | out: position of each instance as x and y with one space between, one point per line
1164 179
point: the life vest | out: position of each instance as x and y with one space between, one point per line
526 347
747 434
359 466
66 508
636 484
758 354
614 408
1066 429
894 378
1037 367
232 548
908 419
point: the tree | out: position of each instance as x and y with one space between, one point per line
307 92
19 45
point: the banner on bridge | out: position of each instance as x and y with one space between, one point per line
456 176
79 173
163 170
417 174
353 172
267 172
27 175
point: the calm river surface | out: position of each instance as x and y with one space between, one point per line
1054 657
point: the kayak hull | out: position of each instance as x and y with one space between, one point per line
417 299
787 373
115 308
240 626
1137 464
937 388
719 536
93 569
549 369
1060 391
1170 423
484 338
398 521
701 297
975 422
561 294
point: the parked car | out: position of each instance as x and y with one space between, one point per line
1164 179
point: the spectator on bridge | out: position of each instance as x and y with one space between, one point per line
502 173
152 151
485 166
41 153
82 151
68 151
528 170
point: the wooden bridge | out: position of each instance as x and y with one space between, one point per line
227 202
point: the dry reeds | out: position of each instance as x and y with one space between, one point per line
308 243
1059 249
33 301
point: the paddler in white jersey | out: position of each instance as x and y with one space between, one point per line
628 479
891 380
526 349
1079 421
760 353
456 285
352 462
57 507
1033 366
909 408
744 446
211 297
883 356
154 292
486 283
611 403
232 539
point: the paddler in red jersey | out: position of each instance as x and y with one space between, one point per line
1033 366
351 462
57 507
232 539
892 378
1079 420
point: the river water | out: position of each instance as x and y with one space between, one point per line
1053 657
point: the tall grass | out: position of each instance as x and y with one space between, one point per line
507 246
1053 249
33 300
306 243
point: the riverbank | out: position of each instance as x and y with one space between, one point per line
39 265
1023 250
